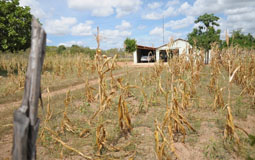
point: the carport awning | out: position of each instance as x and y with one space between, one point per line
145 47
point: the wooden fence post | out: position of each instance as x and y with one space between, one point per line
26 122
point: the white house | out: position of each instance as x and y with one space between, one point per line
178 47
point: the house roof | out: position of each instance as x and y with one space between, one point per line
145 47
179 39
153 48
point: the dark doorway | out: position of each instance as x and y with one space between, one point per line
145 54
172 53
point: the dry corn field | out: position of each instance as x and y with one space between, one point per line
182 109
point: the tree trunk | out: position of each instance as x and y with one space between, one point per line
206 56
26 123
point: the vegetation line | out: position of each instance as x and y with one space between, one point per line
62 91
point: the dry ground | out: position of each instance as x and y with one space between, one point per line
207 143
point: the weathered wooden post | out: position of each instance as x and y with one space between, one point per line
26 123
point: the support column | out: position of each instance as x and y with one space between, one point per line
157 55
135 56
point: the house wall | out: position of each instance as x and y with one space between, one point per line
157 55
183 47
135 56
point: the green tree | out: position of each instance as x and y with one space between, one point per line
203 36
15 26
61 48
75 49
241 40
130 45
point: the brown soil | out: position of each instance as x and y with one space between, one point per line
79 86
6 141
143 132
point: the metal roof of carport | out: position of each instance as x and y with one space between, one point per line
145 47
179 39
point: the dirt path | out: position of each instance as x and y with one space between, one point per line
79 86
6 140
57 92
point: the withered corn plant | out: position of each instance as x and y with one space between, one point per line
174 123
47 117
125 91
186 101
100 138
218 97
54 135
103 65
66 124
124 118
164 143
230 128
88 92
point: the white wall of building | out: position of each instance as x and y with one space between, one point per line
157 55
135 56
182 45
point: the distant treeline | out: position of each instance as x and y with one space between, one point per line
85 50
238 39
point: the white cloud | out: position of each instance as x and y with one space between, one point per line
239 14
124 25
158 33
82 29
170 11
103 8
114 38
125 7
156 15
48 41
141 27
35 8
152 16
185 8
182 23
60 26
106 7
70 43
112 34
173 2
154 5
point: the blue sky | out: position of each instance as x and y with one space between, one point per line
70 22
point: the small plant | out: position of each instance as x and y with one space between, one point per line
89 97
229 131
100 138
124 118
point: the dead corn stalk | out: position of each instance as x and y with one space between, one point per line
89 97
56 138
47 116
100 138
66 122
229 131
124 118
125 90
162 143
103 65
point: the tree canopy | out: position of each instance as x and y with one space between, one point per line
15 26
130 45
205 34
61 49
240 39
